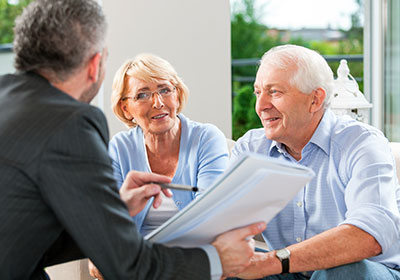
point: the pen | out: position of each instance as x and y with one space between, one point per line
178 187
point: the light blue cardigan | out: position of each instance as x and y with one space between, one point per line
203 156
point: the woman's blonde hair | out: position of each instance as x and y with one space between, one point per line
149 68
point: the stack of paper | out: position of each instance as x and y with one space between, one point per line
255 188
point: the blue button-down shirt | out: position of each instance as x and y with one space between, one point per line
355 183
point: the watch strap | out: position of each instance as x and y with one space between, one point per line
285 266
284 256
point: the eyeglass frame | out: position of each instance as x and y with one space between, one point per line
151 93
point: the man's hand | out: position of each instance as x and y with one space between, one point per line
94 272
337 246
262 265
236 247
137 189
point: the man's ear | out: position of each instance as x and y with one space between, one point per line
317 100
94 67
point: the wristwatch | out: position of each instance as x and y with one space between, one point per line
283 255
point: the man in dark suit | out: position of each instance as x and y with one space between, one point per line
58 199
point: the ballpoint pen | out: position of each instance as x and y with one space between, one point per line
178 187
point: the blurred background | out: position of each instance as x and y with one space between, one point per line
218 59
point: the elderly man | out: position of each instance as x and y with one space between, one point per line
345 223
58 199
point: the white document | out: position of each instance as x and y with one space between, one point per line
255 188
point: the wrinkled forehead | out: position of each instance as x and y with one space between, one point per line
270 75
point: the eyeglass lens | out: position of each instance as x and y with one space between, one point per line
162 92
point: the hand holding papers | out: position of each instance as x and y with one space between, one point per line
255 188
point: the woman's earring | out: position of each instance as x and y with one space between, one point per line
134 121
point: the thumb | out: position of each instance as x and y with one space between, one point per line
253 229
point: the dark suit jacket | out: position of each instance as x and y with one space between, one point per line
58 198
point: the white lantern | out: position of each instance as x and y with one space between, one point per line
347 97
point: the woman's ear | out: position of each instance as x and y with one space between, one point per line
178 101
317 100
124 108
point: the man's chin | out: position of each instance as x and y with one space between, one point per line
271 135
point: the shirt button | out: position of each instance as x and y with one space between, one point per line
298 239
299 204
178 203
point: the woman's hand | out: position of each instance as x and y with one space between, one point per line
138 188
94 272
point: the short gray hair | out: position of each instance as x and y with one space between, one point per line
311 71
58 36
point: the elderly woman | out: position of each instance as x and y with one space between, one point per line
148 97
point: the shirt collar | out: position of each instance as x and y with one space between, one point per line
323 133
276 147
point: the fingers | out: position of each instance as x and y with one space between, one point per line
235 249
158 198
90 268
167 192
149 190
140 178
249 231
94 272
137 189
252 244
136 198
157 201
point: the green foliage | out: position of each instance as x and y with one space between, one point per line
249 38
8 13
244 116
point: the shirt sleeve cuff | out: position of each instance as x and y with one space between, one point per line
383 225
215 263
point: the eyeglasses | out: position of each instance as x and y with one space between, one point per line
144 96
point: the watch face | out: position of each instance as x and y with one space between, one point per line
283 253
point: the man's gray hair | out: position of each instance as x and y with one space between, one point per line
58 36
311 71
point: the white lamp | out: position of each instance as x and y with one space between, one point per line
347 97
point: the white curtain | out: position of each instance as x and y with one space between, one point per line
392 71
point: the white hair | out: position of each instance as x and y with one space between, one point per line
311 71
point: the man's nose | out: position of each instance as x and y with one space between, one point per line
264 101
